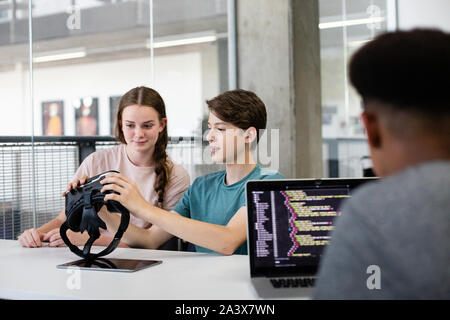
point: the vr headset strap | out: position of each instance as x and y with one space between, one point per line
62 231
124 220
90 242
85 254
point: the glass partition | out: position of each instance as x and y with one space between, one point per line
61 89
344 26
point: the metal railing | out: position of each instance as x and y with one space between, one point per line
31 195
34 171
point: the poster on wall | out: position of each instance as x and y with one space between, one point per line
86 116
113 106
53 118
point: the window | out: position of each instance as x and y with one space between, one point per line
344 26
62 75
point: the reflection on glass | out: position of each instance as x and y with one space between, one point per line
102 49
52 117
113 106
98 49
86 116
345 25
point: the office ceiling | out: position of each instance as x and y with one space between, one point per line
121 30
111 31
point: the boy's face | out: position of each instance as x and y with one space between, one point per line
226 141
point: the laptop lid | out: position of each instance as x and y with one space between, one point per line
290 220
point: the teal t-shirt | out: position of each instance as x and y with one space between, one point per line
210 200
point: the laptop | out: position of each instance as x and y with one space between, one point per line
289 225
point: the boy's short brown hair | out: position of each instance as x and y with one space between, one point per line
241 108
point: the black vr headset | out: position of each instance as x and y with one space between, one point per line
82 206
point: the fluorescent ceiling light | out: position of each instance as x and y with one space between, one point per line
182 42
346 23
60 56
358 43
162 43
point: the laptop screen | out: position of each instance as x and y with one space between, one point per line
290 221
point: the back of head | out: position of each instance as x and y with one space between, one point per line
405 77
408 70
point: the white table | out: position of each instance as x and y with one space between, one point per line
31 273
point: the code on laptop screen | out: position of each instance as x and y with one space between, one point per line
293 226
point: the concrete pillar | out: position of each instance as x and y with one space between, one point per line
307 89
278 57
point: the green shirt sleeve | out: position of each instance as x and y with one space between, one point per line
183 206
269 176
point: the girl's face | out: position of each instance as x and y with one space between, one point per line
141 127
227 142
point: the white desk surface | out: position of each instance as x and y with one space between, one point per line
31 273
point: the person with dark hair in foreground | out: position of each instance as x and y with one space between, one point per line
392 240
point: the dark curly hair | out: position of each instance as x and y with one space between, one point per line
409 70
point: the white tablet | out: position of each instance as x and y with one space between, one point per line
117 265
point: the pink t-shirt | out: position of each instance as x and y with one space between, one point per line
116 158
